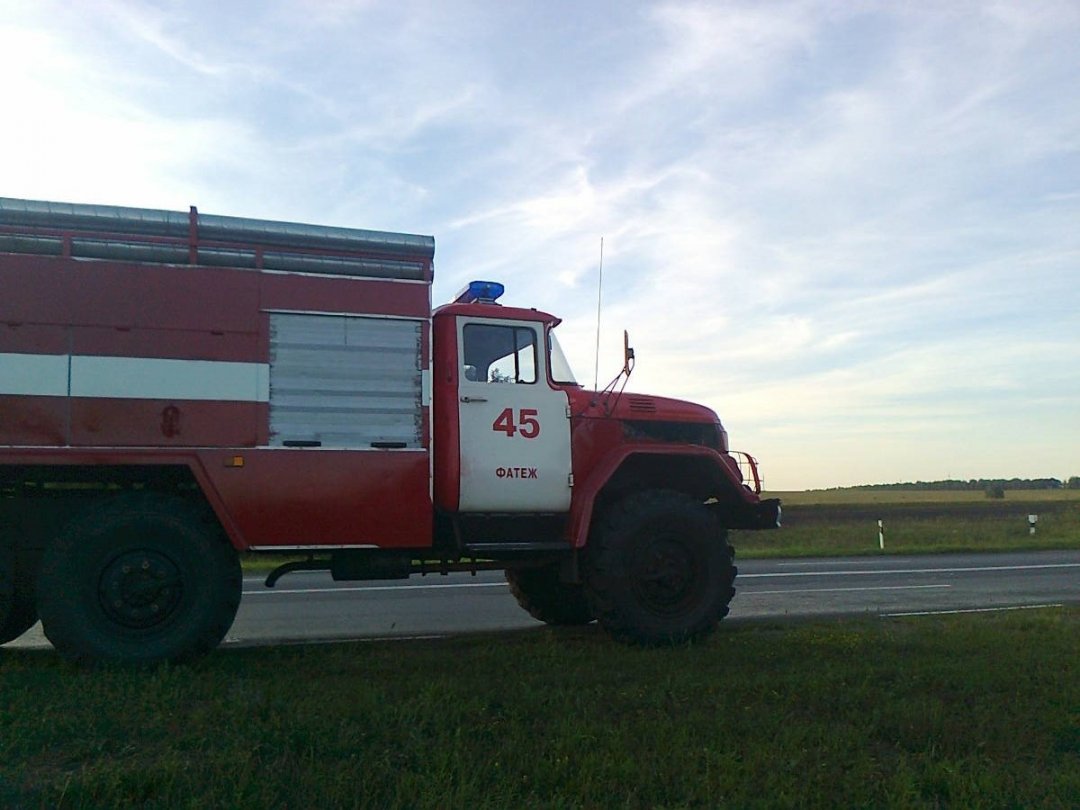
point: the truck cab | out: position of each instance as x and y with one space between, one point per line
502 431
517 434
601 505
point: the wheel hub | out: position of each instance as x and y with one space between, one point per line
665 577
140 588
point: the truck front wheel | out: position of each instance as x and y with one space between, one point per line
659 570
144 580
547 598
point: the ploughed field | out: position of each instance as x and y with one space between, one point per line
845 522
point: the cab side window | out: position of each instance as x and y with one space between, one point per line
499 354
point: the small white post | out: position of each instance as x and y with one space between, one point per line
1032 520
881 535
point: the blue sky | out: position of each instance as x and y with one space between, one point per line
851 228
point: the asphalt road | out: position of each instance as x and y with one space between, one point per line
309 607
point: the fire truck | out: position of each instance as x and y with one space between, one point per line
177 389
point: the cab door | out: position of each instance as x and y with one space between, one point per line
514 427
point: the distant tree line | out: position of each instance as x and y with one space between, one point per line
981 484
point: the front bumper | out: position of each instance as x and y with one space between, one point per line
753 516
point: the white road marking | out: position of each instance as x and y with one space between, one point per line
911 571
296 642
741 576
795 563
970 610
832 590
377 588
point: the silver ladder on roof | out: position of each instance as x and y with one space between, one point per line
172 237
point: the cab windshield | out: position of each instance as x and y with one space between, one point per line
560 368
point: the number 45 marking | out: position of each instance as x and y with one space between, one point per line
527 424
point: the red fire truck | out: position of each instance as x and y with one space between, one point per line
177 388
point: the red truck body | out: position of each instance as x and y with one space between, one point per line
291 387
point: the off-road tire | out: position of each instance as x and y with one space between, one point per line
540 592
659 570
143 580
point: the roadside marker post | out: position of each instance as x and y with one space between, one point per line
1032 520
881 535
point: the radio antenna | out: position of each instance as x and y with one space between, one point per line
599 292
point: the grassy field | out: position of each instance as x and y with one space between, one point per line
974 711
843 522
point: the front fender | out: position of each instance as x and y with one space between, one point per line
701 472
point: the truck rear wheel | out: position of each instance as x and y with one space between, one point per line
146 579
660 570
547 598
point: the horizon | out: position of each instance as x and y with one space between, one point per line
1063 483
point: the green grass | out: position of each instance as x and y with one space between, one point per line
973 711
844 522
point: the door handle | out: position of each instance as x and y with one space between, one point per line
473 399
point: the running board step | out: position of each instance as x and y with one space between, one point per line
489 548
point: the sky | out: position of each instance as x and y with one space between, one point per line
851 228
